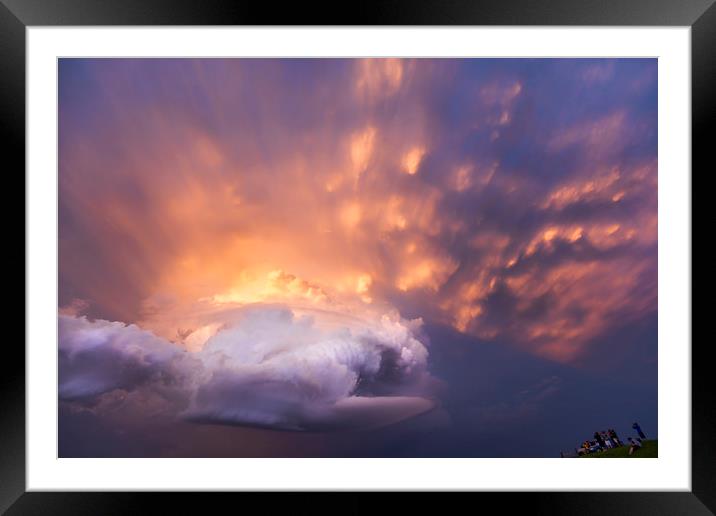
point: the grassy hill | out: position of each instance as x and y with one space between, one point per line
650 449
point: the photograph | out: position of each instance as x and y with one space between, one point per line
357 257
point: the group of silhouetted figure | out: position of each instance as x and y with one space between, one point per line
605 440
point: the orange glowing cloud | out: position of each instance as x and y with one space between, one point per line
373 184
411 160
362 150
379 77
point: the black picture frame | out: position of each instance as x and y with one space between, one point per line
16 15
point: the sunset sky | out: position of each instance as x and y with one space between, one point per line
388 257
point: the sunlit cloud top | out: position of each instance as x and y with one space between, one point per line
513 200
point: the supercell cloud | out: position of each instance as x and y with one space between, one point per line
262 367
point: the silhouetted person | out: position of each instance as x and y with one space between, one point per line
615 438
633 445
636 427
587 447
599 439
608 440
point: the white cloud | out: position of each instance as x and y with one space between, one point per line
262 366
100 356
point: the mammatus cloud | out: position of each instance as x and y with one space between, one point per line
513 200
261 366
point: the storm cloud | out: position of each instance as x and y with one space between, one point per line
262 367
262 242
510 198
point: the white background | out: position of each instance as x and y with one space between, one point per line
671 471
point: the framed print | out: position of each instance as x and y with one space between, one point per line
445 248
